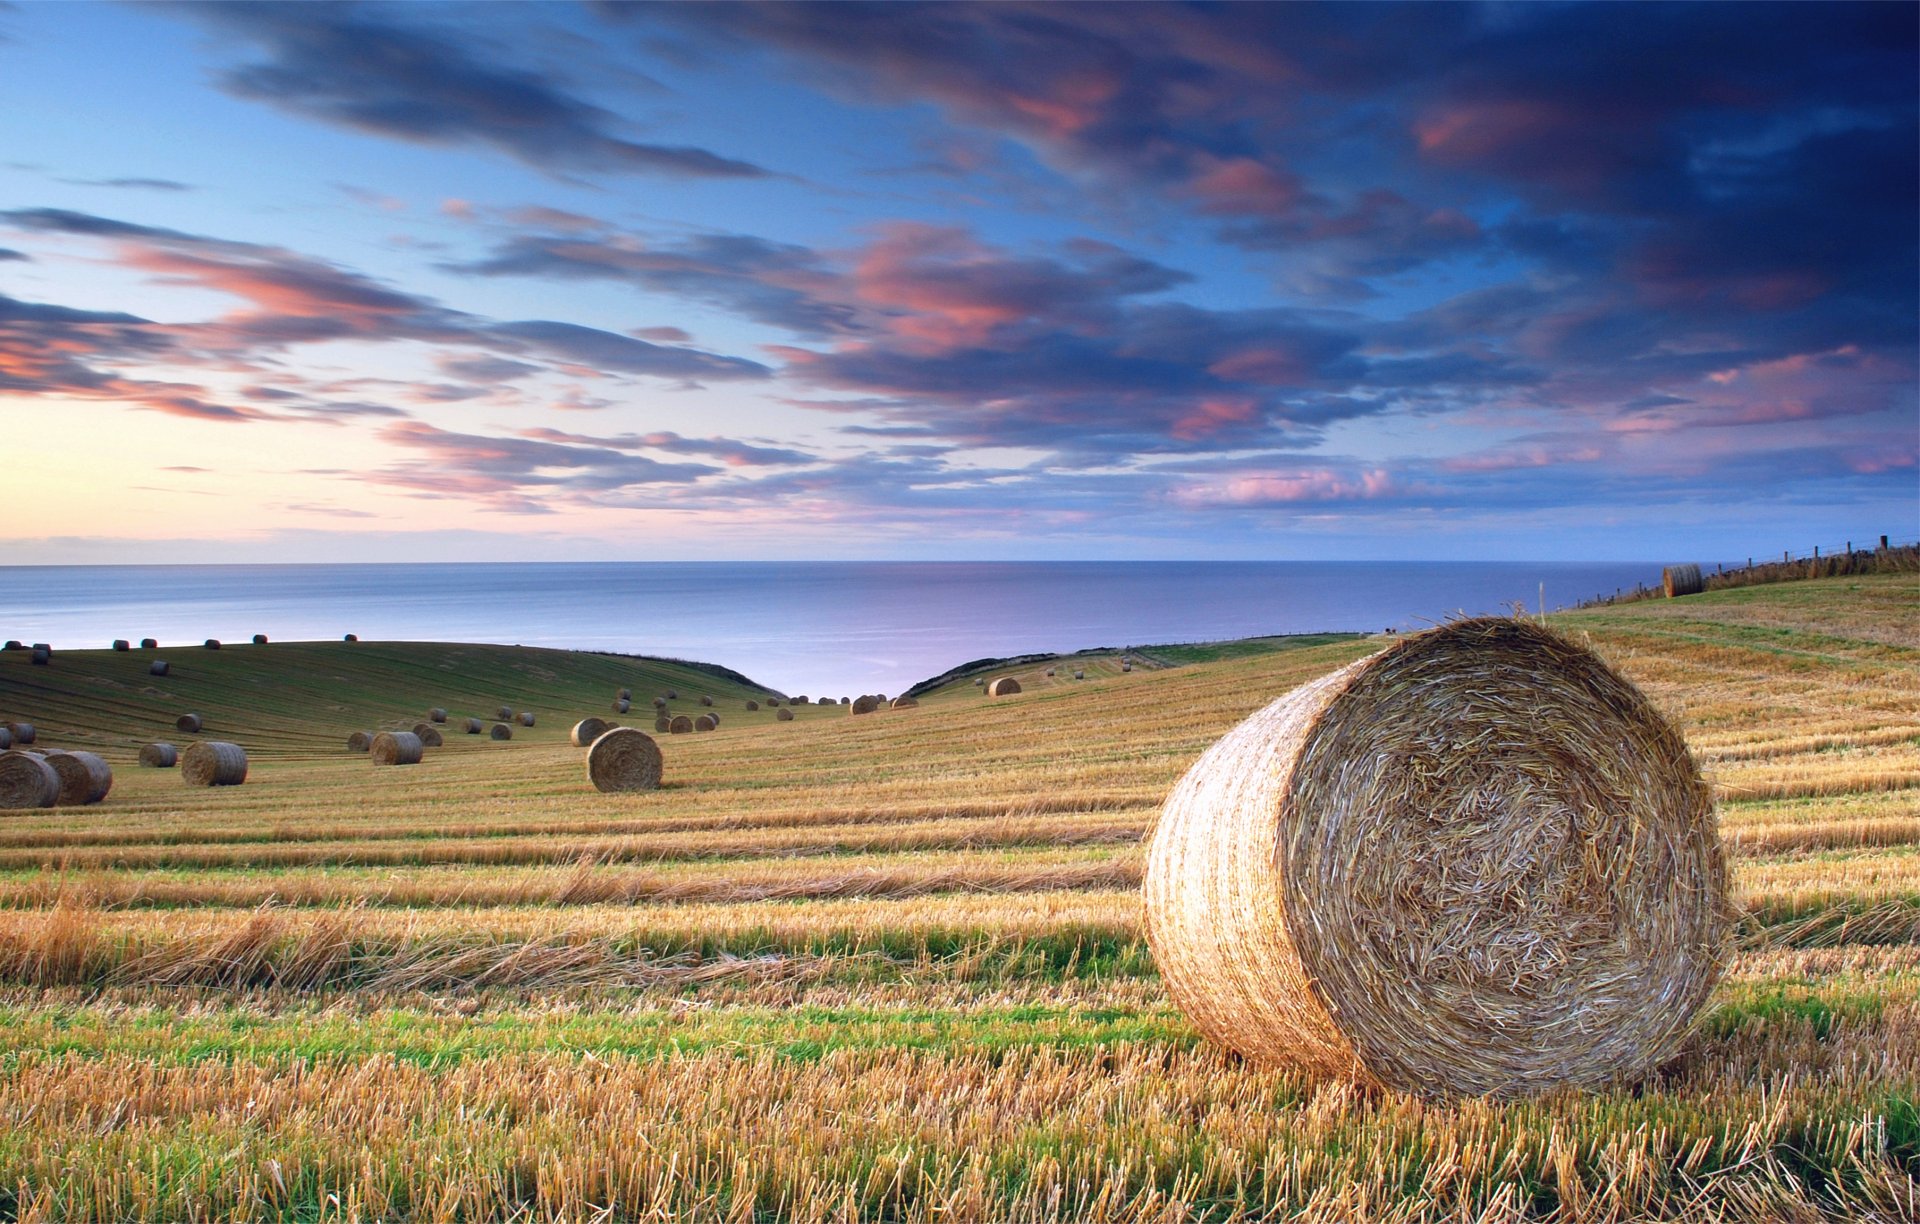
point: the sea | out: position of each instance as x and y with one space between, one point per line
796 627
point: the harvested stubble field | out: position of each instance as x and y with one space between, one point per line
887 966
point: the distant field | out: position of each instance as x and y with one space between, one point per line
885 967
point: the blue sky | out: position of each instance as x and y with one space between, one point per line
424 282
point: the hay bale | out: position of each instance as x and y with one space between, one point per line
799 701
526 718
585 732
13 644
22 733
1478 862
706 722
504 714
866 703
436 714
84 777
979 682
360 741
501 731
149 644
27 781
41 656
673 694
904 703
1050 671
397 748
680 724
474 726
350 637
6 738
259 639
159 755
659 703
773 703
1678 580
1079 675
663 724
625 694
122 645
622 706
189 724
783 714
159 667
1126 667
213 763
211 643
624 760
753 705
429 734
827 701
1005 686
705 700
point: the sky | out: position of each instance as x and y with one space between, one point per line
424 282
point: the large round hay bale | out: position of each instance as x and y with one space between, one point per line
396 748
1679 580
783 714
501 731
624 760
663 724
41 656
826 701
429 734
27 781
705 700
122 644
212 643
436 714
659 703
349 637
474 726
680 724
753 705
1478 862
673 694
189 724
526 718
866 703
84 777
586 731
159 755
622 706
706 722
149 644
259 639
904 703
1005 686
13 644
625 695
504 714
213 763
799 701
22 732
773 703
360 741
1079 675
159 667
1050 671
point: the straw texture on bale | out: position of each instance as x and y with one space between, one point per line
41 656
501 731
397 748
1681 580
149 644
436 714
663 724
706 722
526 718
159 755
1005 686
189 723
753 705
429 734
259 639
360 741
866 704
475 726
624 760
622 706
214 763
22 732
212 643
159 667
27 781
122 644
680 725
84 777
783 714
586 731
904 703
1478 862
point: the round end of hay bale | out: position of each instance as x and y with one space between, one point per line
783 715
663 725
679 724
396 748
22 732
429 735
586 731
753 705
622 706
905 703
474 726
159 755
84 777
1477 863
190 724
27 781
504 714
213 763
706 722
624 760
360 741
436 714
1005 686
866 704
526 718
259 639
501 731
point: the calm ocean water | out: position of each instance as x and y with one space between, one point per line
801 627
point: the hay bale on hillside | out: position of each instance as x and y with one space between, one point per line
1005 686
350 637
474 726
396 748
979 682
904 703
436 714
680 724
27 781
1126 667
673 694
84 777
659 703
6 738
360 741
149 644
189 724
827 701
586 731
1478 862
799 701
705 700
501 731
1678 580
504 714
706 722
753 705
773 703
41 656
159 667
866 703
1050 671
622 706
122 645
526 718
22 733
213 763
259 639
159 755
429 734
13 644
625 694
663 725
1079 674
624 760
783 714
211 643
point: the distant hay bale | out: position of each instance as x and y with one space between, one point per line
212 643
904 703
706 722
350 637
1478 862
1126 667
625 694
979 682
866 704
504 713
22 733
474 726
663 724
659 703
1005 686
501 731
396 748
673 694
149 644
753 705
773 703
213 763
586 731
430 736
159 667
783 714
827 701
624 760
84 777
436 714
1079 675
680 724
41 656
799 701
259 639
122 645
13 644
1050 671
159 755
846 701
189 724
526 718
6 738
27 781
360 741
622 706
705 700
1679 580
